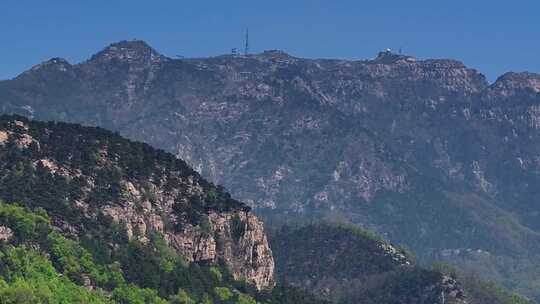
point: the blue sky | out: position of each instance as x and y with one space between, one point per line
491 36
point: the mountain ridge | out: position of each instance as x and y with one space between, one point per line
426 152
145 191
125 49
123 222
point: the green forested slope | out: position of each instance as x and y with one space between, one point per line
40 265
351 265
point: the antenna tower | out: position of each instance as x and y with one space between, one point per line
246 46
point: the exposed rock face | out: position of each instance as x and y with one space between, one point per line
427 152
240 241
164 196
513 83
248 254
452 290
5 234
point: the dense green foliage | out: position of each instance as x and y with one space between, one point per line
351 264
52 267
490 292
40 265
28 277
322 249
481 291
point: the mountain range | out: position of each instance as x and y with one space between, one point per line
87 216
425 152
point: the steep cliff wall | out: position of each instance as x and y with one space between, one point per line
84 176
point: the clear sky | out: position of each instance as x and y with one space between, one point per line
491 36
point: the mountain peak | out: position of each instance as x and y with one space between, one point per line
387 56
129 51
60 64
275 53
517 81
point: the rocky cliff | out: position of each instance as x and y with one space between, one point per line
426 152
85 177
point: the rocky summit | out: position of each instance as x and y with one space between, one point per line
426 152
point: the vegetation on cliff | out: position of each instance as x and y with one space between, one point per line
89 179
100 219
40 265
347 264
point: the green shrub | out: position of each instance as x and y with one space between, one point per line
245 299
216 274
28 277
182 297
206 225
24 224
223 293
131 294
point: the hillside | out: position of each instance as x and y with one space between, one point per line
425 152
84 177
87 216
346 264
41 265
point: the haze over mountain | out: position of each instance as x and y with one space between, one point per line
101 219
426 152
91 217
